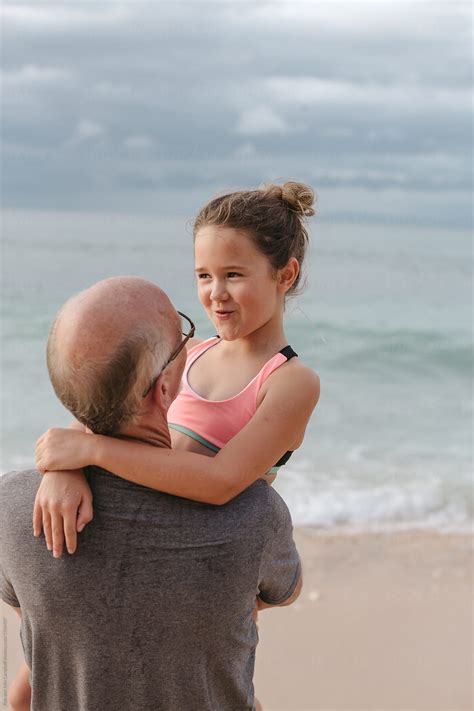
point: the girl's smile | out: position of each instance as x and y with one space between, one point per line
223 315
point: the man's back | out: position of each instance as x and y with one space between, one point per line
154 610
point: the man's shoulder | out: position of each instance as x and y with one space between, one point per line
18 478
18 487
266 502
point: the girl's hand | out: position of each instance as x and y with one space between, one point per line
63 449
63 506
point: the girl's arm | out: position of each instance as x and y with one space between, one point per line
277 426
63 503
63 506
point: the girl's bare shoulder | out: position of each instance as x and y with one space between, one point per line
300 374
295 376
299 369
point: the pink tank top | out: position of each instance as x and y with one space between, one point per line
214 422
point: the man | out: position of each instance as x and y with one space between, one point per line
154 610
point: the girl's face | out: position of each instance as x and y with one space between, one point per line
236 283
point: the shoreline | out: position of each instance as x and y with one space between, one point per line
384 623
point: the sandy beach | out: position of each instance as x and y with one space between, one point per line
384 623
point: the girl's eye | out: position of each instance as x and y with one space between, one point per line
203 276
233 274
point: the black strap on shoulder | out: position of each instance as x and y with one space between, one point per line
284 459
288 352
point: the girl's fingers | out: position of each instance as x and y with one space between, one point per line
38 459
70 530
37 519
58 533
85 513
47 530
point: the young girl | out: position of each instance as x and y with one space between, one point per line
246 398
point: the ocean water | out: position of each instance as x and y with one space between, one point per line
385 319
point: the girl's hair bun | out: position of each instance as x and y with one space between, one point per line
299 197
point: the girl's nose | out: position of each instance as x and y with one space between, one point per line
219 291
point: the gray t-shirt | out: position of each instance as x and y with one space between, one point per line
154 610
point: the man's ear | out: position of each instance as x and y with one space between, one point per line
288 274
161 392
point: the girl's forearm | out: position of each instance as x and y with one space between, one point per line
187 474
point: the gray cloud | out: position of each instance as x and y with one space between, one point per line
126 106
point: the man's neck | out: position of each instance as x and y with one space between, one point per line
155 433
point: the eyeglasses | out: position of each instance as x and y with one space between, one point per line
175 353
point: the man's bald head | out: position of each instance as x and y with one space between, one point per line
105 346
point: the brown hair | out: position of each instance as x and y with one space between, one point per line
273 216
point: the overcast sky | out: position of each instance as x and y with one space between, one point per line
146 106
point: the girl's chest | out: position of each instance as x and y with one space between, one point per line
216 378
